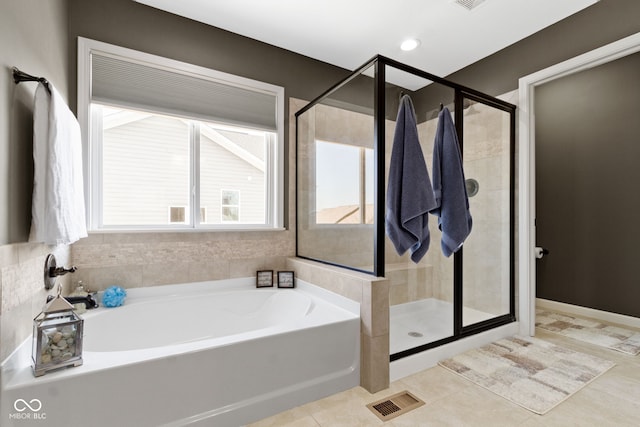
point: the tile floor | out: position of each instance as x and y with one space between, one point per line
613 399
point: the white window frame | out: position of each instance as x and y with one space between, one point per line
92 153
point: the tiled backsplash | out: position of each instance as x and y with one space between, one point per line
22 293
148 259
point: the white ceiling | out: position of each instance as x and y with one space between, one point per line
347 33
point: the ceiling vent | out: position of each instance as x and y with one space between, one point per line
469 4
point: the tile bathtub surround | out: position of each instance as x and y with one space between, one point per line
22 293
373 295
148 259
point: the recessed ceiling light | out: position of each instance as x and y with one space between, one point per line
410 44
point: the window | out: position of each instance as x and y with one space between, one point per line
177 214
146 160
344 184
172 145
230 202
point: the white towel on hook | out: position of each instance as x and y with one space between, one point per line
58 210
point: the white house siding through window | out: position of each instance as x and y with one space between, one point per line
146 169
232 161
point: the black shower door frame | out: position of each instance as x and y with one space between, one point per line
462 93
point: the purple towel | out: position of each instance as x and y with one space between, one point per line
454 218
409 193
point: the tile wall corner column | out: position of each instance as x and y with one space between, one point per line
373 295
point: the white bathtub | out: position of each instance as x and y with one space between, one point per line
216 353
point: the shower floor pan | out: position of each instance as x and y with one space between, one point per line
420 322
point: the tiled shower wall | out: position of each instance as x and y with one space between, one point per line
486 160
486 251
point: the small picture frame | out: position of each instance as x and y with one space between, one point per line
264 279
285 279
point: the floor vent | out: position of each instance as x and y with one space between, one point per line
393 406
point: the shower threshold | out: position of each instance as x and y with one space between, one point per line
421 322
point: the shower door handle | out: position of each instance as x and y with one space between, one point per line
540 252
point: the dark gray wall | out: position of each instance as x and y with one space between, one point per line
33 37
595 26
136 26
587 176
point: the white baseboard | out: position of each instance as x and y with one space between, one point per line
604 316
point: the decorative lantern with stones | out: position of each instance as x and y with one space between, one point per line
57 337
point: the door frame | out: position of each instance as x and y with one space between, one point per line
526 164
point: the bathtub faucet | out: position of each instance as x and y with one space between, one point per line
61 271
89 301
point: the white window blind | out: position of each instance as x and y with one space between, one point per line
139 85
126 99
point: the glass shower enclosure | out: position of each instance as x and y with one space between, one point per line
344 140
